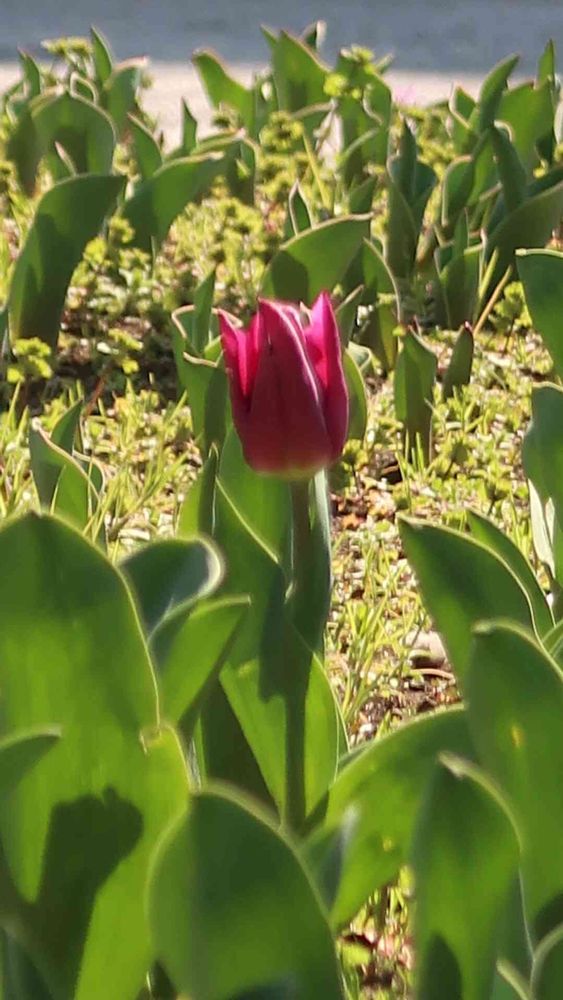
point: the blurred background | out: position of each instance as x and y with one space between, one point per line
434 41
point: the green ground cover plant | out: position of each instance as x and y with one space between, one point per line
281 601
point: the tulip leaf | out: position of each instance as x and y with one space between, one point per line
491 93
357 423
553 643
298 212
147 152
548 966
196 513
299 75
262 502
221 88
510 168
69 215
102 56
189 649
84 130
542 455
515 706
315 260
171 572
541 273
528 110
458 372
457 601
20 751
204 382
233 912
106 791
119 93
485 531
530 225
347 314
415 377
151 210
464 841
460 280
457 185
391 772
62 485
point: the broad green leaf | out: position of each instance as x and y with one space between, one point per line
238 163
205 383
485 531
72 655
377 795
298 213
548 966
515 707
102 56
62 485
465 860
147 153
275 685
151 210
309 603
232 910
361 197
189 649
315 260
67 217
457 185
20 751
299 75
347 314
462 582
66 431
491 92
528 110
541 273
45 453
402 234
458 372
357 423
381 293
542 455
553 643
24 151
84 130
530 225
196 513
460 280
171 572
415 376
222 88
119 93
511 171
262 502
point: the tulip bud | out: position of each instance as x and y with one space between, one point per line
288 392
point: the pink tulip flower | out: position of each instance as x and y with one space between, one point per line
288 392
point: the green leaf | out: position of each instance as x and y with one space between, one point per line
221 88
457 185
361 197
233 912
147 152
528 110
67 217
377 796
485 531
84 130
66 431
119 93
553 643
298 213
548 967
511 171
151 210
515 707
62 485
491 93
530 225
415 376
205 383
462 582
21 751
541 273
189 649
542 454
460 281
299 75
357 423
315 260
196 513
80 827
465 859
170 572
102 56
458 372
347 313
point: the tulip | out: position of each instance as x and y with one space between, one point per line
288 392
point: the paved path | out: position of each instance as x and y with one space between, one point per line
435 41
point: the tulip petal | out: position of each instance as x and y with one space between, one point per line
325 352
286 380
